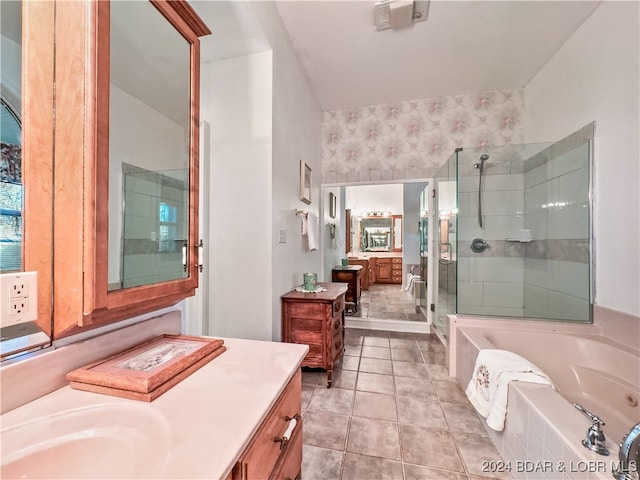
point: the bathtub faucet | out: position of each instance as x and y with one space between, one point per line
629 456
595 435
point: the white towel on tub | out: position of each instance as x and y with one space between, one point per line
489 385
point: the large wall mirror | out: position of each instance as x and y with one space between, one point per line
149 147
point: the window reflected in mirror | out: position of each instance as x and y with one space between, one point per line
11 184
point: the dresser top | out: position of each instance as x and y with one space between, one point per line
350 267
334 290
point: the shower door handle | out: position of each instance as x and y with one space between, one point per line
442 260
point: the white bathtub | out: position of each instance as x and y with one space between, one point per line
542 425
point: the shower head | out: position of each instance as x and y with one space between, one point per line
483 158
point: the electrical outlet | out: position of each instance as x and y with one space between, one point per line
19 287
18 298
19 307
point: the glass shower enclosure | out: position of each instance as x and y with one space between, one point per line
514 232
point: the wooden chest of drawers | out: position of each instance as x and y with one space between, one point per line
352 276
317 320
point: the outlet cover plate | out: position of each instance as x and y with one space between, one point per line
18 298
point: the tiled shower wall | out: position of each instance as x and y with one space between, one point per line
547 193
144 261
491 282
556 199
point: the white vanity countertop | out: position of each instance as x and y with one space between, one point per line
210 415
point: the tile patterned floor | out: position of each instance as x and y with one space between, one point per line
393 413
384 301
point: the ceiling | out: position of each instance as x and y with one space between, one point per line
462 47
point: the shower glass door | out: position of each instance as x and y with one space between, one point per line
445 273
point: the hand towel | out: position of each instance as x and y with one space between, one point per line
312 228
303 222
489 386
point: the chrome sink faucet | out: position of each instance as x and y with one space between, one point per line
629 456
595 440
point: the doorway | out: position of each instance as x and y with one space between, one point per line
395 255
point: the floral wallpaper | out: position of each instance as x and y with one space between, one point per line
413 139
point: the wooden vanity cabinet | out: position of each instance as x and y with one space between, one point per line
389 270
316 320
267 456
82 298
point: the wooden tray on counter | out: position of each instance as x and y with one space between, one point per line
146 371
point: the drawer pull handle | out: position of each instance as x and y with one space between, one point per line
293 421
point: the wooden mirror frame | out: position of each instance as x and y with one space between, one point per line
81 296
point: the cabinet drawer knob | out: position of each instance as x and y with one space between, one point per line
293 421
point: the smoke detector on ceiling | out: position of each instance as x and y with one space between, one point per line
399 13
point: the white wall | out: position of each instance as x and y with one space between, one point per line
364 198
334 248
236 101
297 123
595 76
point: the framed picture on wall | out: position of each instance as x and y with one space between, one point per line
332 205
305 182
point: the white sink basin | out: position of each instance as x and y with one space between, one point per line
107 440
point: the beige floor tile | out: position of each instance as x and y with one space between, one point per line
376 365
476 449
403 343
312 377
375 405
374 382
405 355
410 369
377 438
352 350
336 400
462 418
376 342
430 447
376 352
416 472
419 389
344 378
321 463
350 363
412 411
439 372
362 467
405 420
436 358
325 429
450 392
